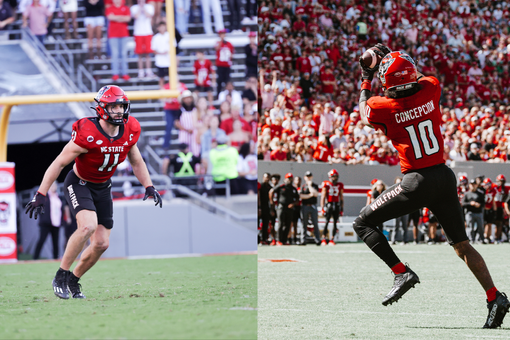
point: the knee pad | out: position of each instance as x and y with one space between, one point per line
363 228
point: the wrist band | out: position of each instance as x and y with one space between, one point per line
366 85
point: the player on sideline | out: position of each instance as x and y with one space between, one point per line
409 116
98 145
333 192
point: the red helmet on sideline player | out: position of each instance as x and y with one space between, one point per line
397 71
501 178
289 175
486 182
110 95
332 173
463 180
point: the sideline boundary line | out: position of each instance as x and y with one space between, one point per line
144 257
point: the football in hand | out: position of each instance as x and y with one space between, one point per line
370 58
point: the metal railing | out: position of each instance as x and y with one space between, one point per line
67 84
83 72
59 52
213 206
152 159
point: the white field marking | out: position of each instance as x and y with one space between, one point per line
368 251
365 312
289 260
171 256
486 336
242 308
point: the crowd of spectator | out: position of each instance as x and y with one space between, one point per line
310 77
222 143
38 16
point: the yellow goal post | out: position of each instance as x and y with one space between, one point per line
9 102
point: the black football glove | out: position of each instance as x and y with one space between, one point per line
36 206
367 73
152 192
384 49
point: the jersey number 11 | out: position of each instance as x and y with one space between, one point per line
107 159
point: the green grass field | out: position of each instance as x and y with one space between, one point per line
181 298
336 293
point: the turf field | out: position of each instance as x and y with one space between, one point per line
336 293
180 298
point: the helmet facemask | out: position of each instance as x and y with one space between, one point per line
125 113
112 95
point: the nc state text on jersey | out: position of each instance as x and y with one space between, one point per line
112 149
417 112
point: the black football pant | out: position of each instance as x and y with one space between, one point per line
284 220
46 229
433 187
332 210
265 216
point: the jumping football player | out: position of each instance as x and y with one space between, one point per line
98 145
333 193
408 114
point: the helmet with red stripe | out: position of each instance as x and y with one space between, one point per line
487 182
332 173
108 96
397 71
501 178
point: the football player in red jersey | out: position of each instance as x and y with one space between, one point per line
501 196
408 114
333 193
490 208
98 145
462 187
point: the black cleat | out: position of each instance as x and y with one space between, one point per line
60 284
497 311
74 287
403 282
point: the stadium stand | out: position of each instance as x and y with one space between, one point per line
308 108
91 74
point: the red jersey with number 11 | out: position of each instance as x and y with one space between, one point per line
333 190
104 152
412 123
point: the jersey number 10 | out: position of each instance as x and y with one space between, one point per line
107 159
428 139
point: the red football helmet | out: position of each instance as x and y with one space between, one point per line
289 175
463 179
397 71
332 173
501 177
486 182
109 95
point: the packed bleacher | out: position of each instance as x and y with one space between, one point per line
125 42
310 77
